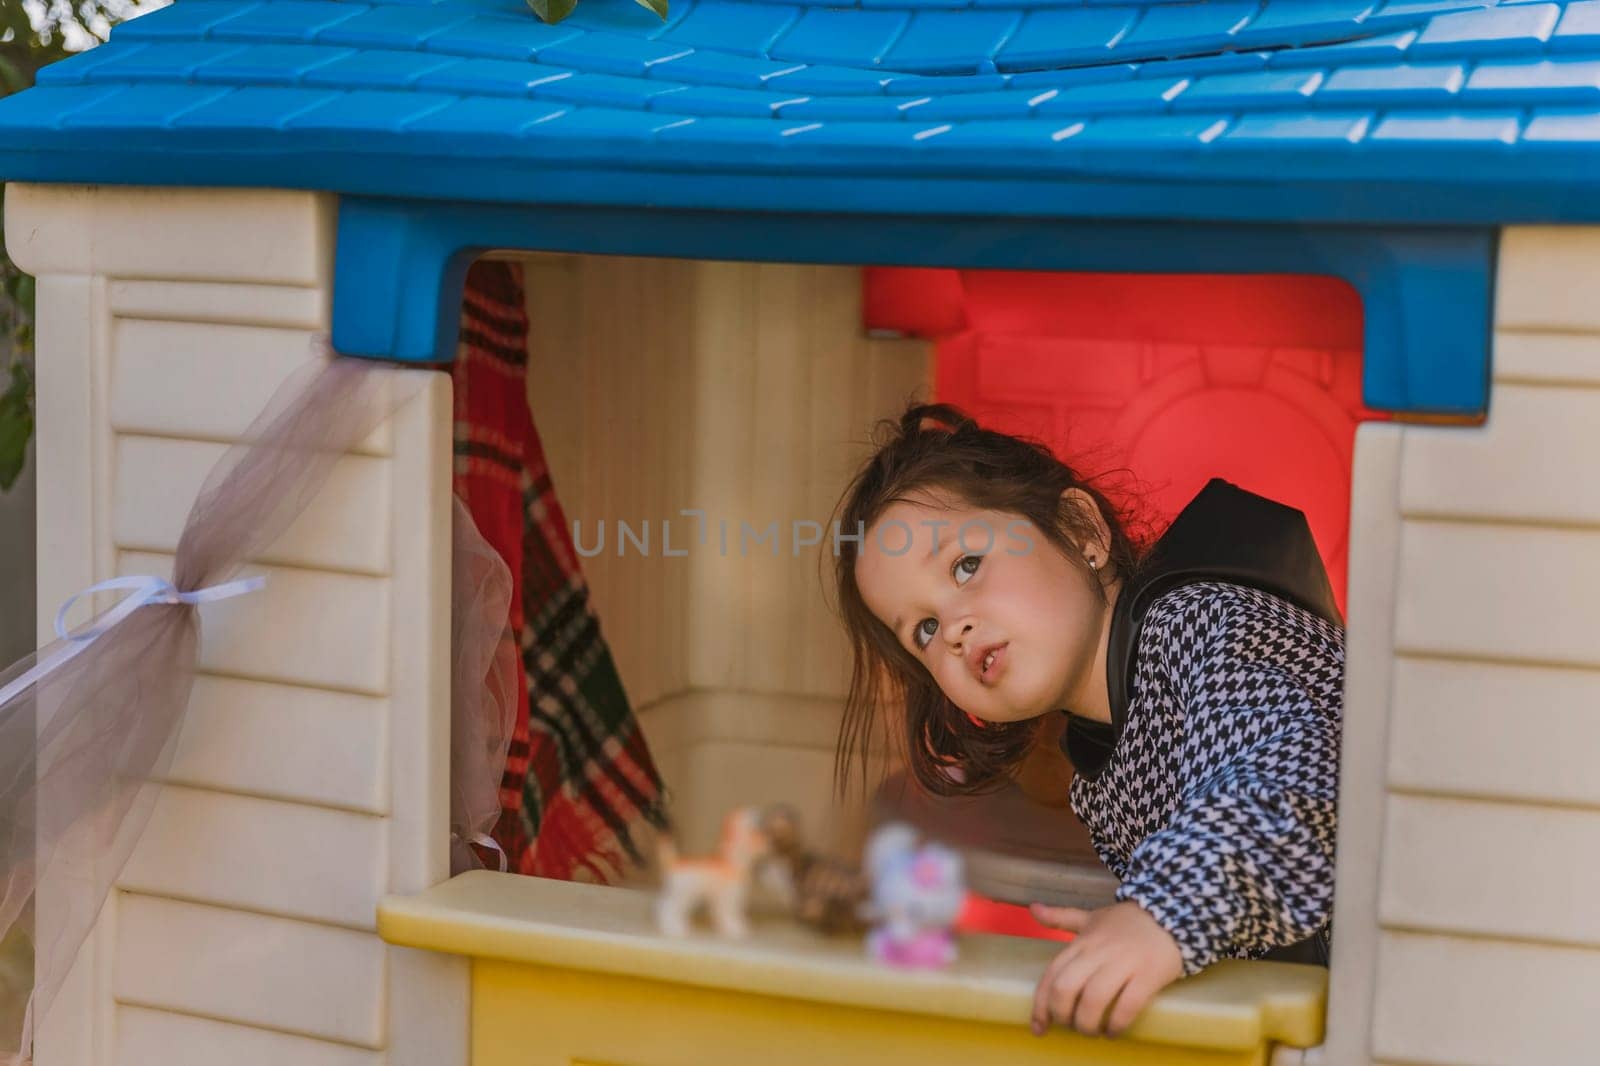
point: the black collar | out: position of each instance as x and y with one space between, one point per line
1223 534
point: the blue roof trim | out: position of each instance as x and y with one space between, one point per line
1312 110
1125 171
1426 293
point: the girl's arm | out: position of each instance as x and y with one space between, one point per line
1246 862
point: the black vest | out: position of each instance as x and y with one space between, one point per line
1223 534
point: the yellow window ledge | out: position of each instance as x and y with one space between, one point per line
577 974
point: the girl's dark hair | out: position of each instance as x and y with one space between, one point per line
938 448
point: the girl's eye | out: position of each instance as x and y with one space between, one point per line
960 568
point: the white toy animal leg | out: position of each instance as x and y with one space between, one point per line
728 912
671 913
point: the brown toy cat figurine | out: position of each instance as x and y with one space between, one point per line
823 891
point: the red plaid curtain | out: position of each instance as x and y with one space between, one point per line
579 779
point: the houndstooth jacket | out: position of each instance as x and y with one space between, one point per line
1216 805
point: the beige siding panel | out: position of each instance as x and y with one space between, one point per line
889 373
430 1008
50 229
259 236
237 368
558 360
284 742
73 443
345 527
73 449
675 422
725 373
1484 1003
200 301
160 1038
416 624
1545 278
253 969
763 459
1442 870
611 408
111 355
261 855
1500 732
610 397
1494 471
1374 553
1547 358
1539 580
834 445
773 493
719 392
72 1033
726 775
306 627
717 750
641 361
740 717
664 429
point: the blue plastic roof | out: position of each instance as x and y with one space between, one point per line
1314 110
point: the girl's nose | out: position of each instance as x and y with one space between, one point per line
956 635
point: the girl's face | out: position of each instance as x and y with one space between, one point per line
953 583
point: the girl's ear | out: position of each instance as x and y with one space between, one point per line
1087 509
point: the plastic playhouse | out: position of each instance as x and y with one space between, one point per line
1341 253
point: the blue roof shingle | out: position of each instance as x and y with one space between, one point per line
1404 92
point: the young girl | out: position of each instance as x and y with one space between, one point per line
980 600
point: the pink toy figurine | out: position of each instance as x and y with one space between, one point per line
917 893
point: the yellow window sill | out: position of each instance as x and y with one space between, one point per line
1236 1006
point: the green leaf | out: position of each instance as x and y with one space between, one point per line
14 17
16 425
658 6
12 77
552 10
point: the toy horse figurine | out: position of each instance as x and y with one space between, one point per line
720 883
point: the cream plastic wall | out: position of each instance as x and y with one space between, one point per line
746 391
311 776
309 783
1466 930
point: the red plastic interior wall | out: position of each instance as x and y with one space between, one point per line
1154 383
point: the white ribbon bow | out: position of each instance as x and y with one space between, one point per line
146 590
490 842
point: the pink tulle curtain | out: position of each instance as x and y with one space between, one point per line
483 696
83 747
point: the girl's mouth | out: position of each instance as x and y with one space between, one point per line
994 663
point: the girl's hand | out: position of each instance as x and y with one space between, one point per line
1120 954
